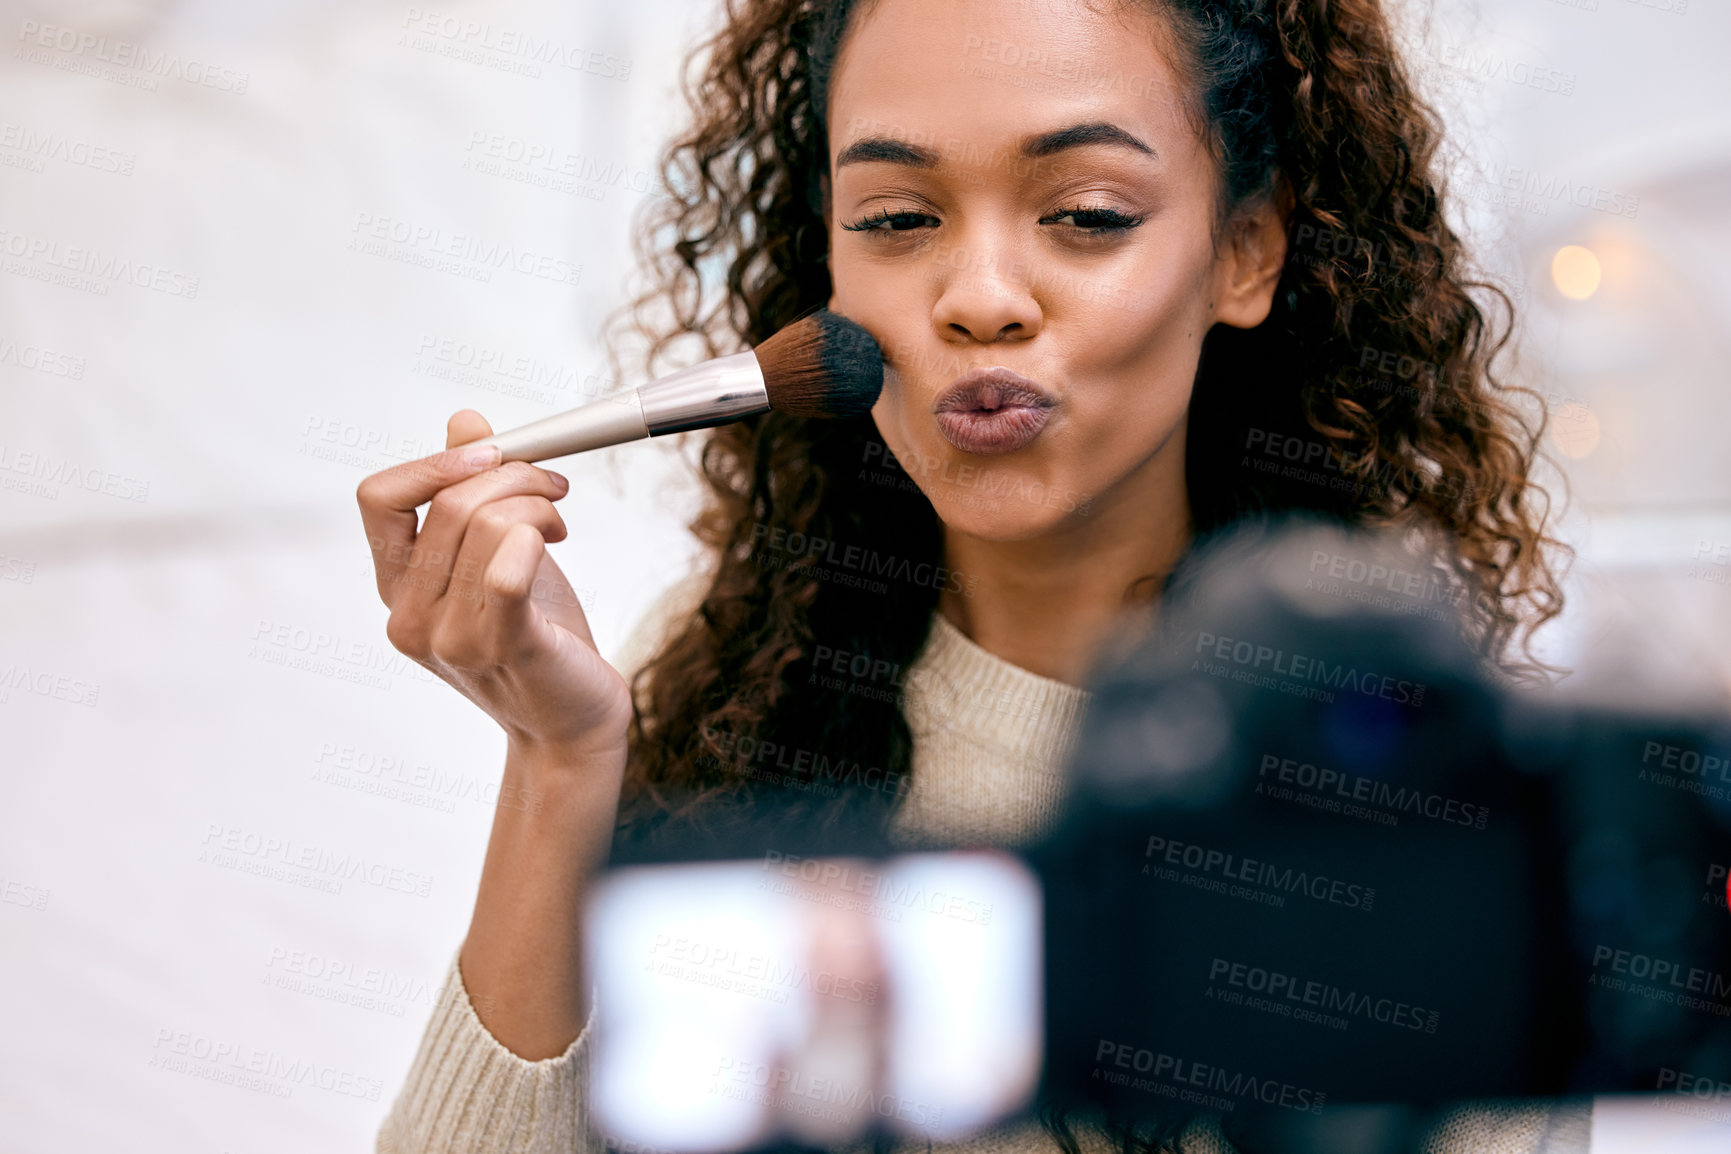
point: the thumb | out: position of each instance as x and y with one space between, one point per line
464 426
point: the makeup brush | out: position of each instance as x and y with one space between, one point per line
822 365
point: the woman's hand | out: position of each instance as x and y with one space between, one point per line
475 598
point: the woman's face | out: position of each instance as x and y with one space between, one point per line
1015 186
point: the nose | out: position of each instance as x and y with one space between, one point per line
984 297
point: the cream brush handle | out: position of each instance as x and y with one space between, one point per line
712 393
610 422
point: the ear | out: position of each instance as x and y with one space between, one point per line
1253 253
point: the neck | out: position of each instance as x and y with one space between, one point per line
1055 604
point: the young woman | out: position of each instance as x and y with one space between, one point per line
1135 267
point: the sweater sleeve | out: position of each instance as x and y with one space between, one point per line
465 1092
1535 1126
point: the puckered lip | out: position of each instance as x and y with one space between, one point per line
986 389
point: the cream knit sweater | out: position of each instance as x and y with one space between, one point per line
990 739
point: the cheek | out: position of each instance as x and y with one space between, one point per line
1134 365
880 293
1148 328
892 304
904 421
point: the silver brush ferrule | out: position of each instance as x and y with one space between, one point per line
712 393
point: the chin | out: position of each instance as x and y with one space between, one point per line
999 516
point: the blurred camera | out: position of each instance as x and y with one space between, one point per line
1323 870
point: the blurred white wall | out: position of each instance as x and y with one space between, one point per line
208 335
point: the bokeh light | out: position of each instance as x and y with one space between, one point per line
1575 431
1575 271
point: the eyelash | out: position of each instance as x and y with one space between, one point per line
1113 220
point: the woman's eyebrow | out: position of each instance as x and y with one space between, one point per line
1077 135
889 150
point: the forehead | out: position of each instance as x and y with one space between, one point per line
958 75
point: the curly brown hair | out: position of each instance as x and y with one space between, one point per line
1306 100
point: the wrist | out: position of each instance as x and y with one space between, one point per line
564 765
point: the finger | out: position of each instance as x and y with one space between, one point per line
388 501
428 571
464 426
558 600
487 528
508 614
515 613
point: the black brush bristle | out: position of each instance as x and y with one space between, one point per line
822 365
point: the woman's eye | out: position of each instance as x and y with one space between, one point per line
1094 219
889 222
1090 220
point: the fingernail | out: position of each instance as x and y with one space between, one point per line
563 481
481 456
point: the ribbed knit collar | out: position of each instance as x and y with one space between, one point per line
992 703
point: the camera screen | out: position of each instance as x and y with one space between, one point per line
814 999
